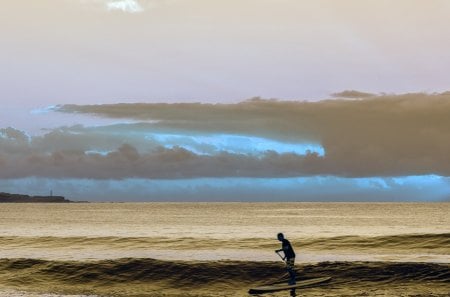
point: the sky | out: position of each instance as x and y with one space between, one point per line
249 100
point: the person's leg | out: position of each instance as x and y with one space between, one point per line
290 268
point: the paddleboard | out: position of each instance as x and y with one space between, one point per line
284 286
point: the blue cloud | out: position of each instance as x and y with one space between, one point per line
236 144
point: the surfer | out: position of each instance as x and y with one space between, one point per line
289 257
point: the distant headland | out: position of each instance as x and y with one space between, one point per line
19 198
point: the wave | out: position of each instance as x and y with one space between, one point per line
404 241
429 242
194 274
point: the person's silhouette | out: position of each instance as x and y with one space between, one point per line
289 257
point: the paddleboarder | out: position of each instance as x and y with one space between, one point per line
289 257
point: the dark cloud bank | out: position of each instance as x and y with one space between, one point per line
387 135
383 135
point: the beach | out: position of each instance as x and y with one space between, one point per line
222 249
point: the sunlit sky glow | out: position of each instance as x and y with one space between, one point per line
130 6
357 104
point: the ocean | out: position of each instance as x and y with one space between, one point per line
222 249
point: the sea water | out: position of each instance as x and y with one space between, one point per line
54 238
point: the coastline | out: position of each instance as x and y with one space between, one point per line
21 198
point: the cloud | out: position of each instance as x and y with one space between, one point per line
385 147
127 162
132 151
384 135
126 6
131 6
352 94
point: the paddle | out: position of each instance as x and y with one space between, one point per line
278 253
283 277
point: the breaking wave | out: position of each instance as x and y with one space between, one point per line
400 242
186 274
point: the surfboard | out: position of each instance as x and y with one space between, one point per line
284 286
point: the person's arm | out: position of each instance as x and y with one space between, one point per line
281 250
